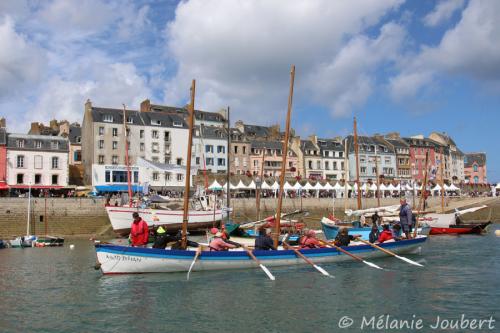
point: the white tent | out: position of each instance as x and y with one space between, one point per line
308 186
497 187
446 187
454 188
337 186
251 186
241 186
398 188
409 187
363 187
436 188
265 186
318 186
297 186
391 187
328 187
232 187
275 186
215 186
287 186
373 187
383 187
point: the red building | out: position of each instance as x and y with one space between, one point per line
419 147
3 159
475 168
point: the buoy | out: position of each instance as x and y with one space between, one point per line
497 233
72 246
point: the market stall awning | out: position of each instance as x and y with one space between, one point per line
117 188
34 187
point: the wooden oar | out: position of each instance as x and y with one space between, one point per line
390 253
198 252
355 257
264 268
297 252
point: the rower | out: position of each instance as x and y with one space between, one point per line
264 241
343 238
385 235
309 241
218 244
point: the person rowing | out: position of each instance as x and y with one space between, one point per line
219 244
309 241
264 241
343 238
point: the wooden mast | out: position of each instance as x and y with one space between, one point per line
228 191
283 162
356 152
257 195
378 180
442 180
424 191
346 175
188 167
127 162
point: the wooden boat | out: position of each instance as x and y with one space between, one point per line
460 229
115 259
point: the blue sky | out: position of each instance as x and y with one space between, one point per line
408 66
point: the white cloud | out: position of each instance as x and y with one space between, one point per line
241 51
471 49
21 62
443 12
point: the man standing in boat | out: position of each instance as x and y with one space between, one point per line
139 232
405 217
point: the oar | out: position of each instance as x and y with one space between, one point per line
390 253
198 252
264 268
297 252
355 257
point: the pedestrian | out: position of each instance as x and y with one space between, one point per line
139 232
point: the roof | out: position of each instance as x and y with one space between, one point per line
199 114
237 135
210 132
163 119
307 145
115 116
31 142
75 132
398 143
266 144
475 158
256 130
367 144
330 144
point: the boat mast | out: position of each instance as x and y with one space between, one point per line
127 162
378 180
284 156
442 180
346 175
228 193
29 210
188 168
421 202
257 194
356 152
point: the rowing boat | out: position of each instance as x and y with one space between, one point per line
115 259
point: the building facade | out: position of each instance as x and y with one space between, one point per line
270 152
403 164
334 159
37 161
239 153
3 158
210 148
475 168
376 155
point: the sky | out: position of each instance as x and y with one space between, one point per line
414 66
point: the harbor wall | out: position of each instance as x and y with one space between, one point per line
85 216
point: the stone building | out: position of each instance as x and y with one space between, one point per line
402 149
334 159
475 168
271 153
455 156
239 153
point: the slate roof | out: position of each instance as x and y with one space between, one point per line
138 118
398 143
266 144
329 144
30 140
74 133
199 115
479 158
210 132
256 130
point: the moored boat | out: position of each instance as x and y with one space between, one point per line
460 229
114 259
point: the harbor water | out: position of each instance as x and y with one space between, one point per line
57 290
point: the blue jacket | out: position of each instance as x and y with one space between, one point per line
405 215
264 243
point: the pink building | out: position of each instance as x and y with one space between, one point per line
475 168
272 159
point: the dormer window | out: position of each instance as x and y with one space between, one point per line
20 143
107 118
38 144
130 120
177 123
54 144
155 122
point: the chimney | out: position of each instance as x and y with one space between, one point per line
88 104
314 139
54 124
35 128
146 105
3 123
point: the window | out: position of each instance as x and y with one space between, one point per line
244 162
101 130
156 176
55 162
310 163
318 165
341 154
141 134
244 150
334 165
475 168
363 169
101 144
221 149
107 176
236 149
20 143
127 131
209 149
476 179
38 144
154 134
54 144
130 119
55 178
38 162
255 163
78 139
209 161
177 123
101 159
221 162
20 178
180 177
197 161
166 136
155 122
167 160
179 161
155 148
115 144
141 146
38 178
236 162
136 176
107 118
20 161
167 176
114 159
341 165
115 131
155 159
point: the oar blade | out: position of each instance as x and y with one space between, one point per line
409 261
321 270
268 273
372 264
